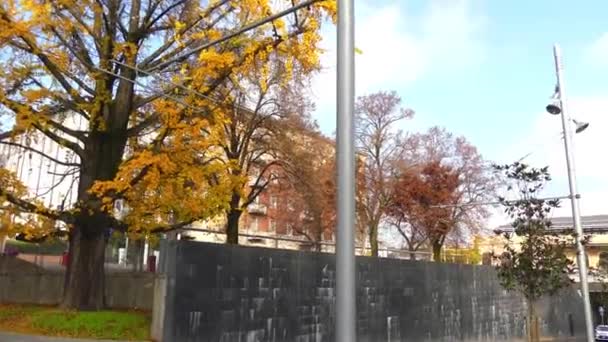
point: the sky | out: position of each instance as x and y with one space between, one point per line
484 69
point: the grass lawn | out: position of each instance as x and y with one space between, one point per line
50 321
51 247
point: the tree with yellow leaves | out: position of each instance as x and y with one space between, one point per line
144 76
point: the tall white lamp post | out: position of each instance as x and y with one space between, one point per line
560 107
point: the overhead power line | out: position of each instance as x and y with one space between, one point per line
177 85
476 204
178 59
235 33
163 94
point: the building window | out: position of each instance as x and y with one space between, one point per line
273 225
254 224
274 201
603 262
288 230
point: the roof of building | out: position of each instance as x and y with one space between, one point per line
591 224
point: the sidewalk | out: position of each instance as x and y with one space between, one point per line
10 337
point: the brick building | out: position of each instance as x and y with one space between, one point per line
269 219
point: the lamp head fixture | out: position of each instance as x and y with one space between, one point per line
554 107
580 126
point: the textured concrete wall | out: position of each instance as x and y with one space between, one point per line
24 283
228 293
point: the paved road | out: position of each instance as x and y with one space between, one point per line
10 337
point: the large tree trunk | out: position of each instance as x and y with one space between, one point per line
232 220
85 279
84 287
232 227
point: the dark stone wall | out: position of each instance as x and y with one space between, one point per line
248 294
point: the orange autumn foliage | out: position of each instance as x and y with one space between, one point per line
423 199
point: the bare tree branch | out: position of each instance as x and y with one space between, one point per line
28 148
29 207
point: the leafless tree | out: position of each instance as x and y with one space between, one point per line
378 142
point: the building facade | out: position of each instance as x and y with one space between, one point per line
276 216
595 228
268 220
48 169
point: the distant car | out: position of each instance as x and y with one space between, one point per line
601 333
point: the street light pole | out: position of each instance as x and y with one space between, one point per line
574 196
345 155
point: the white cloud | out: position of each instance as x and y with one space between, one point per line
400 48
597 52
543 141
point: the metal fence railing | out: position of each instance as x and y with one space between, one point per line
287 242
134 256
